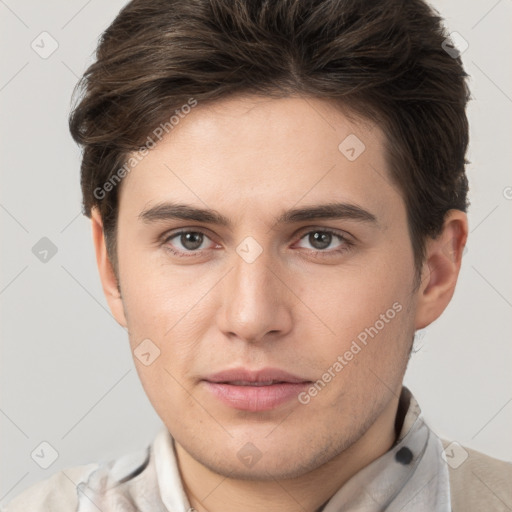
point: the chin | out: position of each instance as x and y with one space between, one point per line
264 470
267 460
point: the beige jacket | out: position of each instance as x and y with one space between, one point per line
480 484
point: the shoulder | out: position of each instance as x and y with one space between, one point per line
70 488
56 493
477 481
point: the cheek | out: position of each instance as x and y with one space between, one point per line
168 392
347 300
169 309
362 313
155 296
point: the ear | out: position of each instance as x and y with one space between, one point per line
108 278
443 257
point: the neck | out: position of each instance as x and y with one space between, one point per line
210 492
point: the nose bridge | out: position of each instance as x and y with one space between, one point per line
254 301
252 274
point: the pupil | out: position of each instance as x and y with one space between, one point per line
192 240
320 240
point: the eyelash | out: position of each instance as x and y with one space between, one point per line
346 243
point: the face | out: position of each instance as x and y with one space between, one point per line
269 321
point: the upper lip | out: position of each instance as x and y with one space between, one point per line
262 375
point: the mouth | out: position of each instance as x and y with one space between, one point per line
249 383
254 391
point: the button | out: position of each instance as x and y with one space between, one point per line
404 456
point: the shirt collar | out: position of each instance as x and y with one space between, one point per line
411 476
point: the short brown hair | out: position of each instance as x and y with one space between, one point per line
382 59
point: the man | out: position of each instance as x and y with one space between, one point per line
277 195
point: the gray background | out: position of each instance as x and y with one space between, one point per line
66 370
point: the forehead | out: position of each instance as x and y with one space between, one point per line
255 155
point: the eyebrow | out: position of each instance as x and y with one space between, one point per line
333 210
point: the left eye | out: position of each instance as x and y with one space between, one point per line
322 239
189 240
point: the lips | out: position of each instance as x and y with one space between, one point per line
263 376
249 383
259 390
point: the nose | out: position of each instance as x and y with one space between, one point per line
256 300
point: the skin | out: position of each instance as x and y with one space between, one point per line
295 307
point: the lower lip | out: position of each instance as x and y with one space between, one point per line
256 398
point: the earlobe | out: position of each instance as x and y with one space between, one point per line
107 275
443 258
